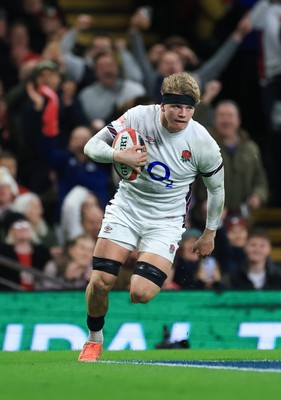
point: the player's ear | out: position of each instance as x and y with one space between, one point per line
162 107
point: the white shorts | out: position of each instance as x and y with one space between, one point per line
162 239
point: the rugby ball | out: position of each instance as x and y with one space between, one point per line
123 140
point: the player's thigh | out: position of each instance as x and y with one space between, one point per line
108 249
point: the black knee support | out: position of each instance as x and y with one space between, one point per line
105 264
150 272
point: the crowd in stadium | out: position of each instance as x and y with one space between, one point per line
55 95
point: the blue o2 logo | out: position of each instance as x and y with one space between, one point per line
166 172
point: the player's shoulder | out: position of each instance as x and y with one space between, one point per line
200 132
145 109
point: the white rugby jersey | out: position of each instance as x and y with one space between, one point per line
163 189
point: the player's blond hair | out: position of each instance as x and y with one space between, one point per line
181 83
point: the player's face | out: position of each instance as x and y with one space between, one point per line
175 117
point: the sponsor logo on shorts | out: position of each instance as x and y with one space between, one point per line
107 229
172 249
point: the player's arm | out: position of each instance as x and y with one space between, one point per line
214 182
99 148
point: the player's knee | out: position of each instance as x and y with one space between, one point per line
138 295
105 272
101 284
98 285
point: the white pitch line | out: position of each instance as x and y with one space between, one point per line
179 364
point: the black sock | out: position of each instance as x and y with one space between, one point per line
95 324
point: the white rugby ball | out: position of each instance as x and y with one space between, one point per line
124 139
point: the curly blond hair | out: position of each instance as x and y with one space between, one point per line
181 83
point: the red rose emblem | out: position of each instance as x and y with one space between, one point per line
185 155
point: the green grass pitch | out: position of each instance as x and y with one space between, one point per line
57 375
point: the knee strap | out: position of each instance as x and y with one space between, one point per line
150 272
106 265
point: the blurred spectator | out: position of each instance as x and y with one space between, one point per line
74 168
110 89
19 52
9 161
208 275
265 16
246 181
8 192
179 45
15 99
19 246
52 52
42 18
82 69
203 73
52 22
258 271
246 186
5 136
74 267
204 112
91 219
71 114
77 199
30 205
50 110
3 33
186 263
40 119
237 233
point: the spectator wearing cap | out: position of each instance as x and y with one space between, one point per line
236 229
50 104
40 119
185 264
52 22
19 246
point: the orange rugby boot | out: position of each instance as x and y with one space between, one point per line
91 352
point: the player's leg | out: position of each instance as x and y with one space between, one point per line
104 275
157 250
149 275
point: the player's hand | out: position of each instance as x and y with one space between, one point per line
134 157
205 244
203 247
